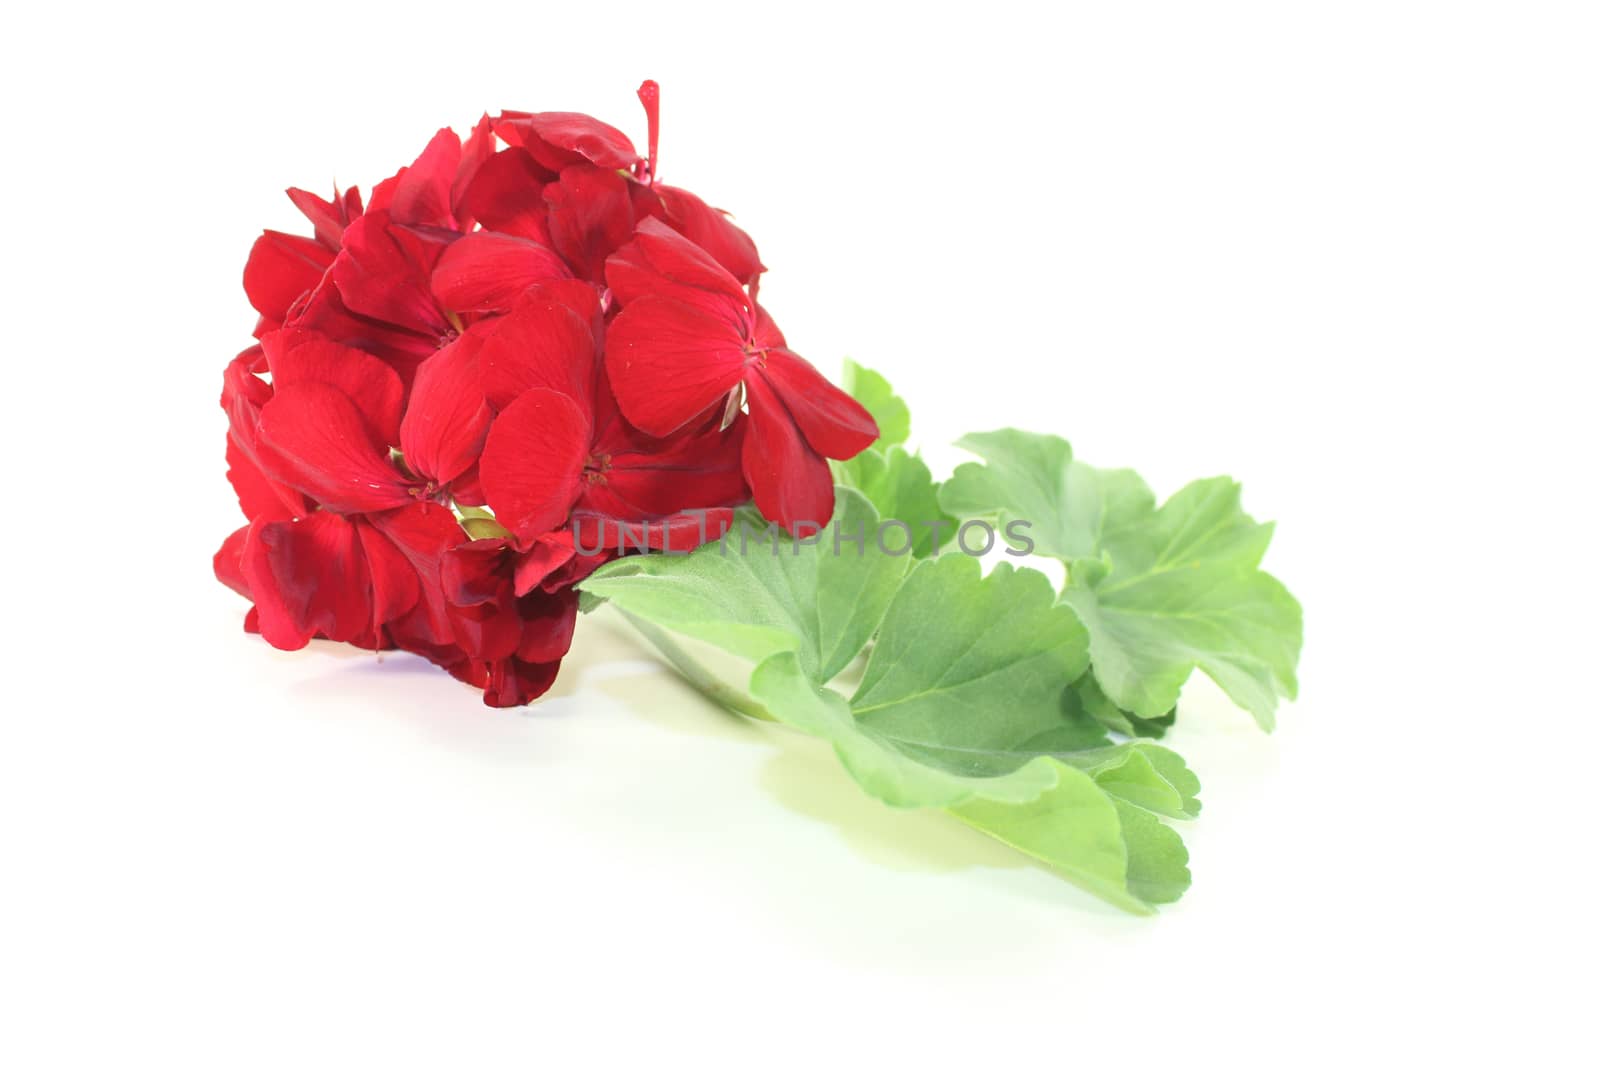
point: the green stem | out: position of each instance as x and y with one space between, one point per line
695 673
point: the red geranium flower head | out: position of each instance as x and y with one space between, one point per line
523 356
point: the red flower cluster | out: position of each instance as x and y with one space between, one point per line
522 358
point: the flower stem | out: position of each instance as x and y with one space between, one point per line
695 673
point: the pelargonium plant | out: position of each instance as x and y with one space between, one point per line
525 378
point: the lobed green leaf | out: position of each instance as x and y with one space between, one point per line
964 701
1162 590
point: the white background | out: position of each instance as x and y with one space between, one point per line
1345 252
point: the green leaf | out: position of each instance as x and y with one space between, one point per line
1145 774
963 703
1158 862
964 686
1069 508
971 671
1092 823
1161 590
1242 629
1115 850
757 592
1053 811
896 480
883 763
901 489
1101 707
873 392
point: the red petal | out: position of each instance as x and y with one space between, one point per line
259 496
581 298
400 348
832 421
559 138
316 440
448 418
476 150
384 273
512 683
765 333
711 229
298 356
243 395
791 483
489 633
663 262
548 553
476 578
668 361
421 192
507 194
487 271
583 563
329 217
423 533
394 581
648 477
466 490
307 577
547 624
474 573
646 204
542 344
590 217
227 563
533 462
281 269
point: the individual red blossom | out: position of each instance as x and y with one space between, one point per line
516 640
470 621
668 493
377 578
688 335
559 449
377 294
590 205
548 462
336 414
313 571
706 226
324 575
